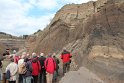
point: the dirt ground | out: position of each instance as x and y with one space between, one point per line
83 75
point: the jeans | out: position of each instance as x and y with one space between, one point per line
27 79
43 77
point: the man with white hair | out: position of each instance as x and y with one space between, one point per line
34 54
36 68
43 72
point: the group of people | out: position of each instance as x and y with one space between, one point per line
36 68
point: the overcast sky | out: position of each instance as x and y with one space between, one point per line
19 17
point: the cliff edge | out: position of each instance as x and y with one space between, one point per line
93 32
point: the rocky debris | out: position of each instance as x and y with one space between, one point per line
83 75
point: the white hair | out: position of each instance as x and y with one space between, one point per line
33 53
41 54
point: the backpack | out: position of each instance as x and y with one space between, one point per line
22 68
47 62
8 74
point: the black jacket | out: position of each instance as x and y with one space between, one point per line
41 60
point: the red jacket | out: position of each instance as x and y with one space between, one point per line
36 68
65 57
16 59
50 65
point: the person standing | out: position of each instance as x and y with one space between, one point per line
56 73
7 52
42 58
50 67
5 63
36 68
13 68
1 74
27 77
20 62
65 56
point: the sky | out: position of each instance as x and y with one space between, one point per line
24 17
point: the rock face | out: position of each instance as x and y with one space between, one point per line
93 32
11 42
